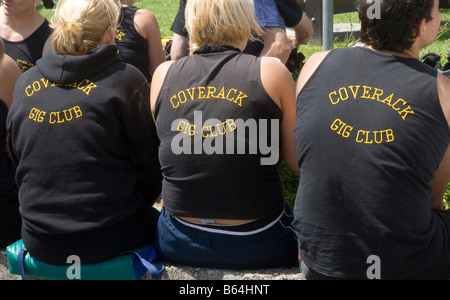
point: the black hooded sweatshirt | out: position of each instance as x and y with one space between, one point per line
84 143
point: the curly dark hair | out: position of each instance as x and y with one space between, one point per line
396 29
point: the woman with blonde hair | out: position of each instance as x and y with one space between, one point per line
83 140
10 219
223 200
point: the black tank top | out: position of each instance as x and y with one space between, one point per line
210 124
28 51
133 48
370 133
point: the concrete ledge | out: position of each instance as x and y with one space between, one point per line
177 272
4 273
344 31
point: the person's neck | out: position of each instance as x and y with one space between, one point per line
23 22
412 52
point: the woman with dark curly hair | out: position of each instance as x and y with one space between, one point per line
372 134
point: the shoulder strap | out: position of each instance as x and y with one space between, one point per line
155 270
20 261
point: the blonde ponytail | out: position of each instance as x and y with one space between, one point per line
79 25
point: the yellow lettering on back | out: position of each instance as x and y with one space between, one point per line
241 96
355 93
388 100
88 89
366 93
331 99
221 94
191 92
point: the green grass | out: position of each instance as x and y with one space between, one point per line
166 10
440 46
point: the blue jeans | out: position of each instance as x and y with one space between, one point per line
184 243
268 16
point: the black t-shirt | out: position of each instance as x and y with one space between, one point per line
370 132
178 25
290 11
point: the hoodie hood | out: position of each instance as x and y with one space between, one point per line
67 68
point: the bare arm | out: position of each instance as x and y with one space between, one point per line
180 46
279 84
276 43
442 174
303 30
158 79
440 182
309 68
147 26
9 74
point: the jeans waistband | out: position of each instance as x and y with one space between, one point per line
241 230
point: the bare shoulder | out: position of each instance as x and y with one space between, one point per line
145 21
273 69
444 94
277 80
144 16
9 74
310 67
158 80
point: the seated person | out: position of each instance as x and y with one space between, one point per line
84 145
138 39
274 16
373 148
223 198
180 44
25 32
10 219
273 39
295 18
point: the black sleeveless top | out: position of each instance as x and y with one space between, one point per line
213 124
28 51
370 133
133 48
